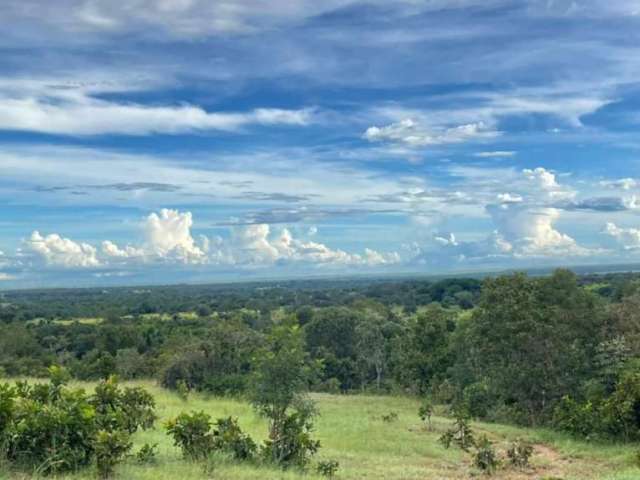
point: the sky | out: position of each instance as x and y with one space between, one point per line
165 141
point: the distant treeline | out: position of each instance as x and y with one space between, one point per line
559 350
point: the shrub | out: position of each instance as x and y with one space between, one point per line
147 454
125 409
192 433
292 445
460 433
228 437
425 412
485 457
110 449
328 468
7 406
50 433
51 428
620 412
183 390
519 453
576 418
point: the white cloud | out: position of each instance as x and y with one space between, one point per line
446 240
169 237
412 134
628 238
495 154
509 198
622 183
255 244
74 112
169 240
58 251
112 250
6 277
531 232
545 184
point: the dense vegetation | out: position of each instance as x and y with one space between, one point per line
559 350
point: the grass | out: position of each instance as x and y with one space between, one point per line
352 431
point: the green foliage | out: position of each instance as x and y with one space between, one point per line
426 411
328 468
460 433
192 433
51 428
390 417
229 437
519 453
147 454
580 419
524 337
183 390
293 445
7 406
477 399
485 457
282 375
110 449
125 409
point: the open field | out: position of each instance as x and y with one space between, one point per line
352 431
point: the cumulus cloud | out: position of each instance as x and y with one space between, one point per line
169 239
111 250
531 232
544 184
412 134
58 251
169 236
257 245
627 238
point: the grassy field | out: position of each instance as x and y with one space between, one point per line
352 431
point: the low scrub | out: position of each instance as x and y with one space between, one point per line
51 428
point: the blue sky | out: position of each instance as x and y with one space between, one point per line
186 140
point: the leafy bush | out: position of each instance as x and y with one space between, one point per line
328 468
125 409
485 457
50 428
110 449
7 406
228 437
192 433
426 411
460 433
183 390
621 411
147 454
579 419
519 453
293 445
